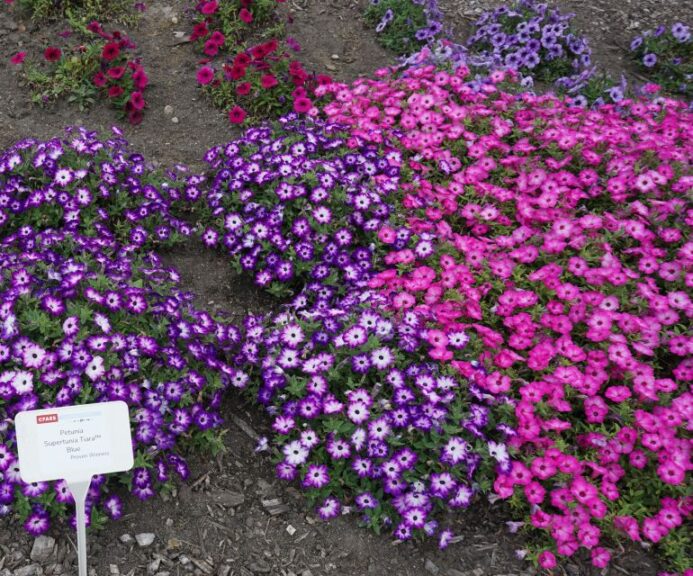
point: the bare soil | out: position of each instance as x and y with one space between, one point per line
232 518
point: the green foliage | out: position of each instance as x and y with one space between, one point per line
233 27
70 79
666 58
236 21
81 10
264 81
102 66
396 23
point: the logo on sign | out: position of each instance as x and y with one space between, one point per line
46 418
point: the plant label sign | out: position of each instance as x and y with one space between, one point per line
74 442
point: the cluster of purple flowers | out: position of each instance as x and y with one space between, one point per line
666 55
355 400
441 53
405 25
534 40
98 187
87 318
294 203
357 404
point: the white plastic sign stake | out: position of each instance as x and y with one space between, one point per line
74 443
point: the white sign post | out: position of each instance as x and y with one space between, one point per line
74 443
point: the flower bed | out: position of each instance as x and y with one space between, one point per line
102 67
294 204
85 318
263 81
489 293
566 260
94 187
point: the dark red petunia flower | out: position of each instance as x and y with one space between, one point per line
245 16
135 117
137 100
116 72
99 79
237 115
110 51
115 91
209 7
218 38
205 75
269 81
243 88
140 78
211 48
237 72
242 59
52 53
200 30
302 104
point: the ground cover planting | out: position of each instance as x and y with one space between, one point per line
121 10
534 332
664 55
103 67
404 27
87 317
234 21
265 80
480 288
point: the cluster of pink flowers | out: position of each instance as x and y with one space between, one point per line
558 240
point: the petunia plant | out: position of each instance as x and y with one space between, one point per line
293 203
404 26
535 40
264 81
665 56
365 421
91 327
98 188
227 24
103 67
561 244
87 315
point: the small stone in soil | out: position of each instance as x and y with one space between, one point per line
227 498
126 538
30 570
260 567
431 567
145 539
43 549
